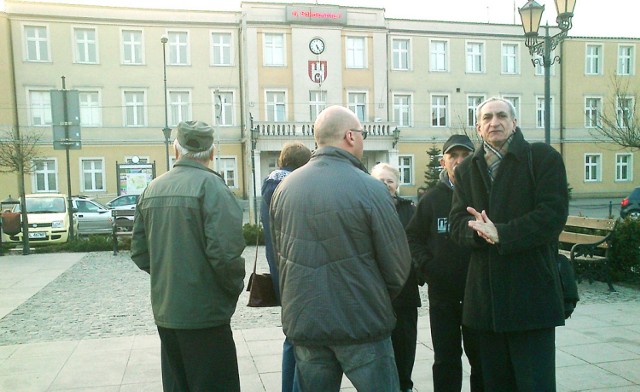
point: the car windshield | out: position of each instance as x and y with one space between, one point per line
45 205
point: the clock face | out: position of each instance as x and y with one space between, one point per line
316 46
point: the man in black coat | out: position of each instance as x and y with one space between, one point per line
443 266
511 222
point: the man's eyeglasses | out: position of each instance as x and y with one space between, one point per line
364 133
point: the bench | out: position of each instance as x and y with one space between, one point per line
122 225
590 242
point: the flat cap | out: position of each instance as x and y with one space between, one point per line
195 136
458 141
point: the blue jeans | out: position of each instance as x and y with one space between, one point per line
369 367
289 376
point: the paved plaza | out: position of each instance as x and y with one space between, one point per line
82 322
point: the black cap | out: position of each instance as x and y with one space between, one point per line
195 136
458 141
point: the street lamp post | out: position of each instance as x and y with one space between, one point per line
254 134
531 14
166 131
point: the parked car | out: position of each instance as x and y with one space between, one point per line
48 219
124 202
93 217
630 205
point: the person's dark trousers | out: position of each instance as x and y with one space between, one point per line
404 338
289 373
518 361
199 360
445 316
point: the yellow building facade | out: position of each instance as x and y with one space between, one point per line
270 68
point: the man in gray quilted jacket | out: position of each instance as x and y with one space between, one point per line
342 256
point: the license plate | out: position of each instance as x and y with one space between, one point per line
38 234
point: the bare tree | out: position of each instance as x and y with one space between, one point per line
619 122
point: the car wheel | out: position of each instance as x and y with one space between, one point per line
634 214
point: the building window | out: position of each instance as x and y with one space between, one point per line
540 111
92 174
228 169
90 109
276 107
223 107
475 57
625 59
400 54
273 50
358 105
439 56
134 108
36 43
179 106
402 109
355 52
592 167
472 106
39 107
593 60
510 59
45 175
132 52
405 166
624 165
317 103
439 110
178 47
515 101
592 112
220 49
624 112
86 46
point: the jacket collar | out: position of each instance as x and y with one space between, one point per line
518 148
337 152
186 162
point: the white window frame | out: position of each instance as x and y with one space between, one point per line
592 168
540 111
403 109
620 111
317 103
438 107
96 174
403 167
179 110
90 111
355 105
437 56
472 108
510 60
271 106
592 60
84 47
179 51
42 45
271 50
125 106
590 111
516 101
470 66
356 58
132 47
221 52
401 56
45 173
624 166
43 107
223 108
223 170
626 62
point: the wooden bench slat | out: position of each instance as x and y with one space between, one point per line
591 223
579 238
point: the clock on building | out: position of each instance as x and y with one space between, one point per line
316 45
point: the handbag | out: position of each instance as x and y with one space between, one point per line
260 287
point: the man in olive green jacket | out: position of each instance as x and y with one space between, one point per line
188 236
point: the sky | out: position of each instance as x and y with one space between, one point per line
609 18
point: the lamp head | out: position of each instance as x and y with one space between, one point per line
164 39
531 14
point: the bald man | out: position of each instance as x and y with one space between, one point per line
342 256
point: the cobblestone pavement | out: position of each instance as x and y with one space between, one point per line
107 296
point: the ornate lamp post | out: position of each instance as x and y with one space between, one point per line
255 133
166 131
531 14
